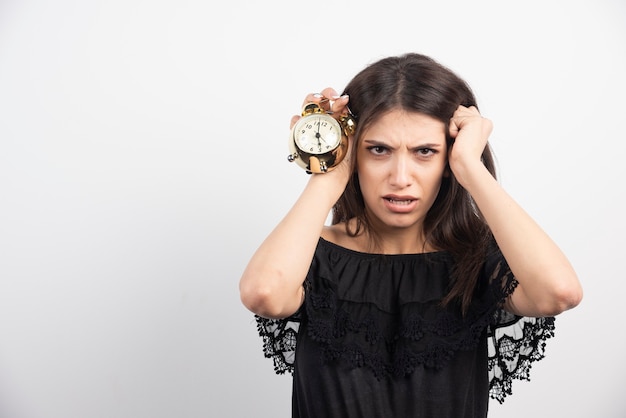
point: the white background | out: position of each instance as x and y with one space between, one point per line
143 159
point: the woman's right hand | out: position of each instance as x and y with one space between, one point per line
337 105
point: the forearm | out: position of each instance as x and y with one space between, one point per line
547 281
271 284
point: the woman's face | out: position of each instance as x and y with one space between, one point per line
401 160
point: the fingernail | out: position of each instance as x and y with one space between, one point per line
317 95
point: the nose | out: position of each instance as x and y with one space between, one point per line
401 176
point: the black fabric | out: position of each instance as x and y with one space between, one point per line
372 339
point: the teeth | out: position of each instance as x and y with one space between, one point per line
400 202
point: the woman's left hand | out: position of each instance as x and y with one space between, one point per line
547 283
470 132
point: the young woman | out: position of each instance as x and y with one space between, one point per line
432 289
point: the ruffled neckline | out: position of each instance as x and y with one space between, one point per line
368 255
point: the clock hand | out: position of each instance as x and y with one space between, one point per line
318 136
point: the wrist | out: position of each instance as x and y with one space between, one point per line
472 175
328 187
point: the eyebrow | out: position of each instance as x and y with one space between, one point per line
375 142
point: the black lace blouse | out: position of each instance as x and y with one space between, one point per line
372 340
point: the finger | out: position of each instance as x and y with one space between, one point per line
323 98
312 98
330 93
329 100
461 122
294 119
487 127
328 96
453 128
466 111
339 105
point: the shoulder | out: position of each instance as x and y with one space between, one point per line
334 233
337 234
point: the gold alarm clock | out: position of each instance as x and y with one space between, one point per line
318 142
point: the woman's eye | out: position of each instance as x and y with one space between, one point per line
377 149
426 152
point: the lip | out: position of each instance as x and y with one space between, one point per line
400 204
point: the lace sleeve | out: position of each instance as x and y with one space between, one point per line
514 343
279 341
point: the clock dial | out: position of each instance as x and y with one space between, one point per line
317 134
318 142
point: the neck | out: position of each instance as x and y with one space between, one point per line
405 240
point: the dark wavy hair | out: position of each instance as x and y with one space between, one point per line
415 82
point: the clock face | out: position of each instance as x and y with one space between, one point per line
317 134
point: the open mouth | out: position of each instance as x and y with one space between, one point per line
399 201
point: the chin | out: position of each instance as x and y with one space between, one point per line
401 223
